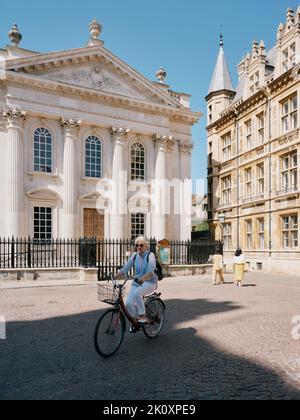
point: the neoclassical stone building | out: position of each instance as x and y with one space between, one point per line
253 153
76 122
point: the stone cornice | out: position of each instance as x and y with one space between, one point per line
92 95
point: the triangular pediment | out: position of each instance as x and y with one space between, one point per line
98 76
93 68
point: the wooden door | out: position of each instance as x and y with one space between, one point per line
93 224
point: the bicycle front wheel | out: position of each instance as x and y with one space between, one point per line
109 333
156 314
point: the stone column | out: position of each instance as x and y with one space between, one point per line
119 189
161 193
15 222
70 179
186 193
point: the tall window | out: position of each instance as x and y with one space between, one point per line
254 83
226 146
290 232
227 235
261 233
138 162
290 114
249 134
261 128
248 180
249 234
137 225
261 178
42 223
42 151
93 157
226 190
289 57
289 172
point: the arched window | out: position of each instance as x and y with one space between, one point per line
138 171
43 151
93 157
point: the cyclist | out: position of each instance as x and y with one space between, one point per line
145 284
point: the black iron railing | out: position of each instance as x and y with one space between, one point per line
106 255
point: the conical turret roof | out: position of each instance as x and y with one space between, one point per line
221 79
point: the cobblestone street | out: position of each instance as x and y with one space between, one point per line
218 343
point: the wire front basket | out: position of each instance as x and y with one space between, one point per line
108 294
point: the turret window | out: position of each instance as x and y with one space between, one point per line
289 57
254 83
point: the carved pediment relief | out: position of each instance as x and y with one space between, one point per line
99 76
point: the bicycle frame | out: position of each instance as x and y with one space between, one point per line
121 302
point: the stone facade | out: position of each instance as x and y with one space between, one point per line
55 106
253 153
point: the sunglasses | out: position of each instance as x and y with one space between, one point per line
140 246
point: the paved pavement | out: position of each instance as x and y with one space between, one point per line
219 343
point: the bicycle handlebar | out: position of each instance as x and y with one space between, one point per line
127 278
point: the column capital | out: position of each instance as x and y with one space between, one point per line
15 116
186 147
164 141
119 134
70 124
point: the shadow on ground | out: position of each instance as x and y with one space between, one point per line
55 359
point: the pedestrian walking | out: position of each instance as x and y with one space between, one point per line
218 265
239 267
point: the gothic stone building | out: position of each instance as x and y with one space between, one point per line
253 153
71 122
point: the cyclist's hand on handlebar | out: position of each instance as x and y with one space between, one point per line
138 281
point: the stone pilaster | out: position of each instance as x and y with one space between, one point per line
70 178
15 118
119 178
161 193
185 152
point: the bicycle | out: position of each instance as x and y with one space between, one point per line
110 330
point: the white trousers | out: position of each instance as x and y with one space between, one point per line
135 301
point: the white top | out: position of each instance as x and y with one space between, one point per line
239 260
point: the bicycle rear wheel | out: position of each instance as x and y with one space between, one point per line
156 314
109 333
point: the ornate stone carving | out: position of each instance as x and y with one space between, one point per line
119 134
186 147
95 76
70 123
15 113
15 36
288 138
161 75
71 126
95 30
163 141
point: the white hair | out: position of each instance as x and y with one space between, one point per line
142 239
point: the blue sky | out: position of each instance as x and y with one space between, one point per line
181 36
